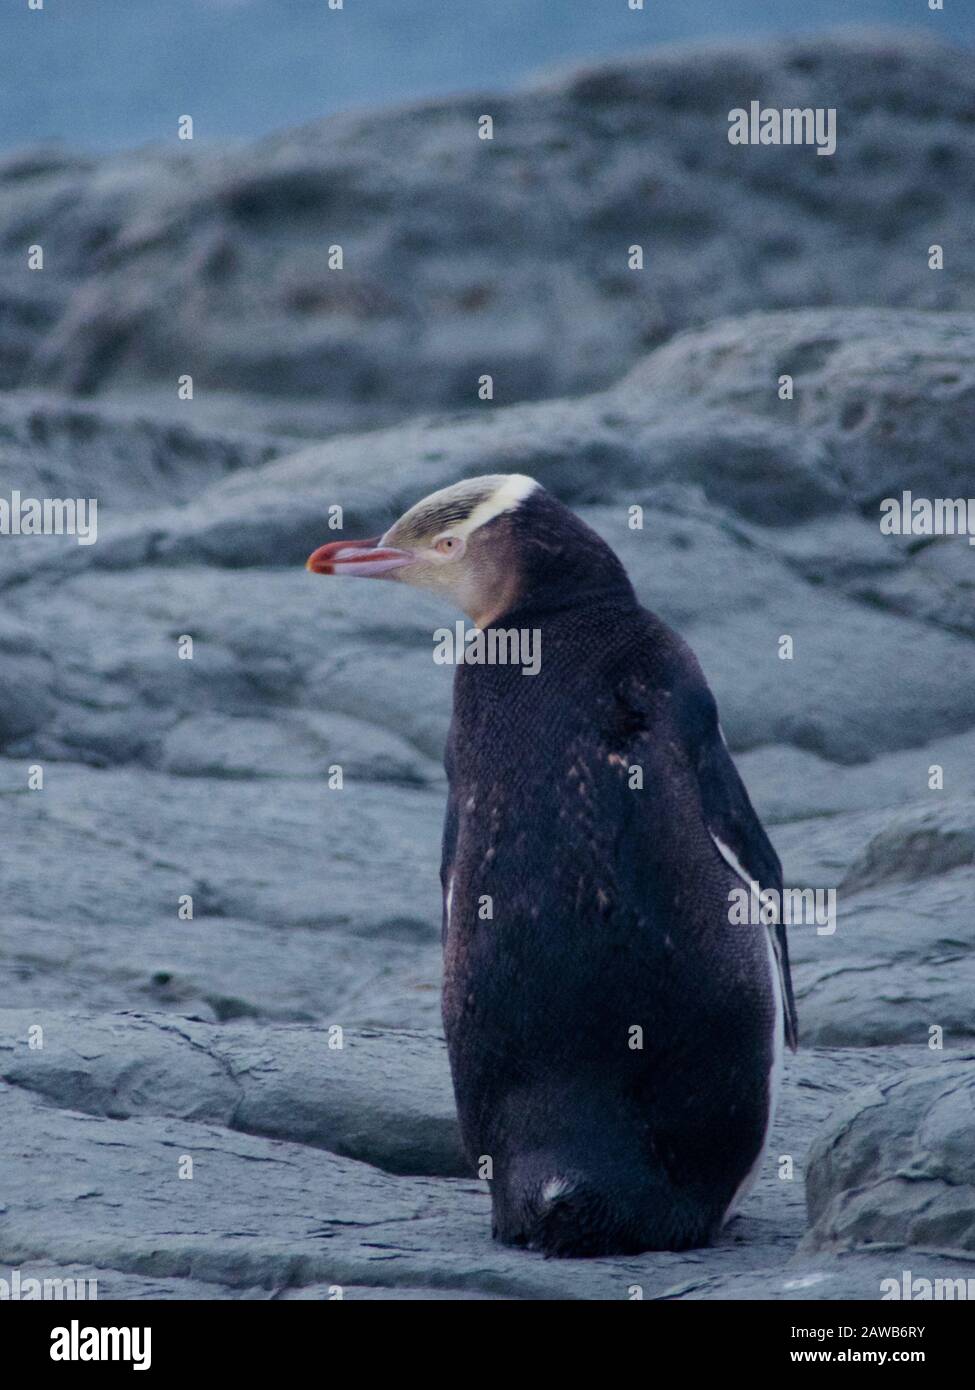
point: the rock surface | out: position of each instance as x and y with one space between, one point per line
896 1164
193 905
345 1163
507 256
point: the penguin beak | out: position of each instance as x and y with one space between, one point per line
365 558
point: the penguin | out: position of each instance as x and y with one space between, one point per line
615 1041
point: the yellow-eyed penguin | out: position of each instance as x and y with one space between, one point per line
615 1041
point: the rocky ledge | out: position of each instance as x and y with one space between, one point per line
509 256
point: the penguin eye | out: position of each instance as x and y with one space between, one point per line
448 545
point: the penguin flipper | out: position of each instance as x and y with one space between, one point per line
734 825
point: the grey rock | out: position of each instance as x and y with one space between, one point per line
844 1275
98 1123
918 844
860 1001
222 968
381 1097
853 431
896 1165
127 460
114 1065
702 412
126 844
508 255
25 701
87 1282
57 447
901 956
788 784
302 745
306 903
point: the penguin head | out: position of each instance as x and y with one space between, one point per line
487 545
455 542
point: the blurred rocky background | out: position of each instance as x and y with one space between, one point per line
317 1166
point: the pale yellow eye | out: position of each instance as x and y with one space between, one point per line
447 545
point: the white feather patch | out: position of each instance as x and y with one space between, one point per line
730 858
555 1188
778 1038
512 492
